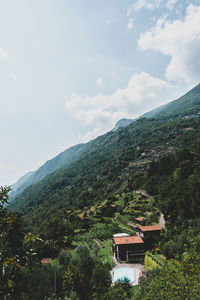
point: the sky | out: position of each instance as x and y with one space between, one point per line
70 69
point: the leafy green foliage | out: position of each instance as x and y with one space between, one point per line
86 275
122 290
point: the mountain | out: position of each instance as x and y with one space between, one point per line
186 105
123 123
110 166
63 159
88 173
16 188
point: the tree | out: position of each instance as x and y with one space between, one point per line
71 280
64 258
101 280
60 230
122 290
17 250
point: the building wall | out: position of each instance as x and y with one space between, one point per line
123 249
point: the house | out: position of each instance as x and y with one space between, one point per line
113 206
149 229
45 261
150 234
139 220
126 247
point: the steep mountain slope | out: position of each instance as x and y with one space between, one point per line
16 188
186 105
85 174
109 166
123 123
64 158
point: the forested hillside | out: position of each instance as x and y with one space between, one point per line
112 164
186 106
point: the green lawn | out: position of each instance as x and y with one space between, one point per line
105 252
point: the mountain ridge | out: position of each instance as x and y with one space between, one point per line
175 109
63 158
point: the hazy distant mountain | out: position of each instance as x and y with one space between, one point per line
21 182
63 159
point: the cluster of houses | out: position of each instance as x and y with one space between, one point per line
126 247
195 115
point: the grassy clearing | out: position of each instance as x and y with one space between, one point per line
120 201
105 252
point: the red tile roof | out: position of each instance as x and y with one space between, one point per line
150 228
113 205
128 240
140 219
46 261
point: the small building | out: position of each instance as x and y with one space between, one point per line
139 220
46 260
150 234
149 229
113 207
126 247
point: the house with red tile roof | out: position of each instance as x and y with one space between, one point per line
46 260
150 235
143 230
139 220
125 247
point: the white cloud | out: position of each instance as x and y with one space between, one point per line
99 82
101 112
180 39
171 3
4 55
140 4
130 24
